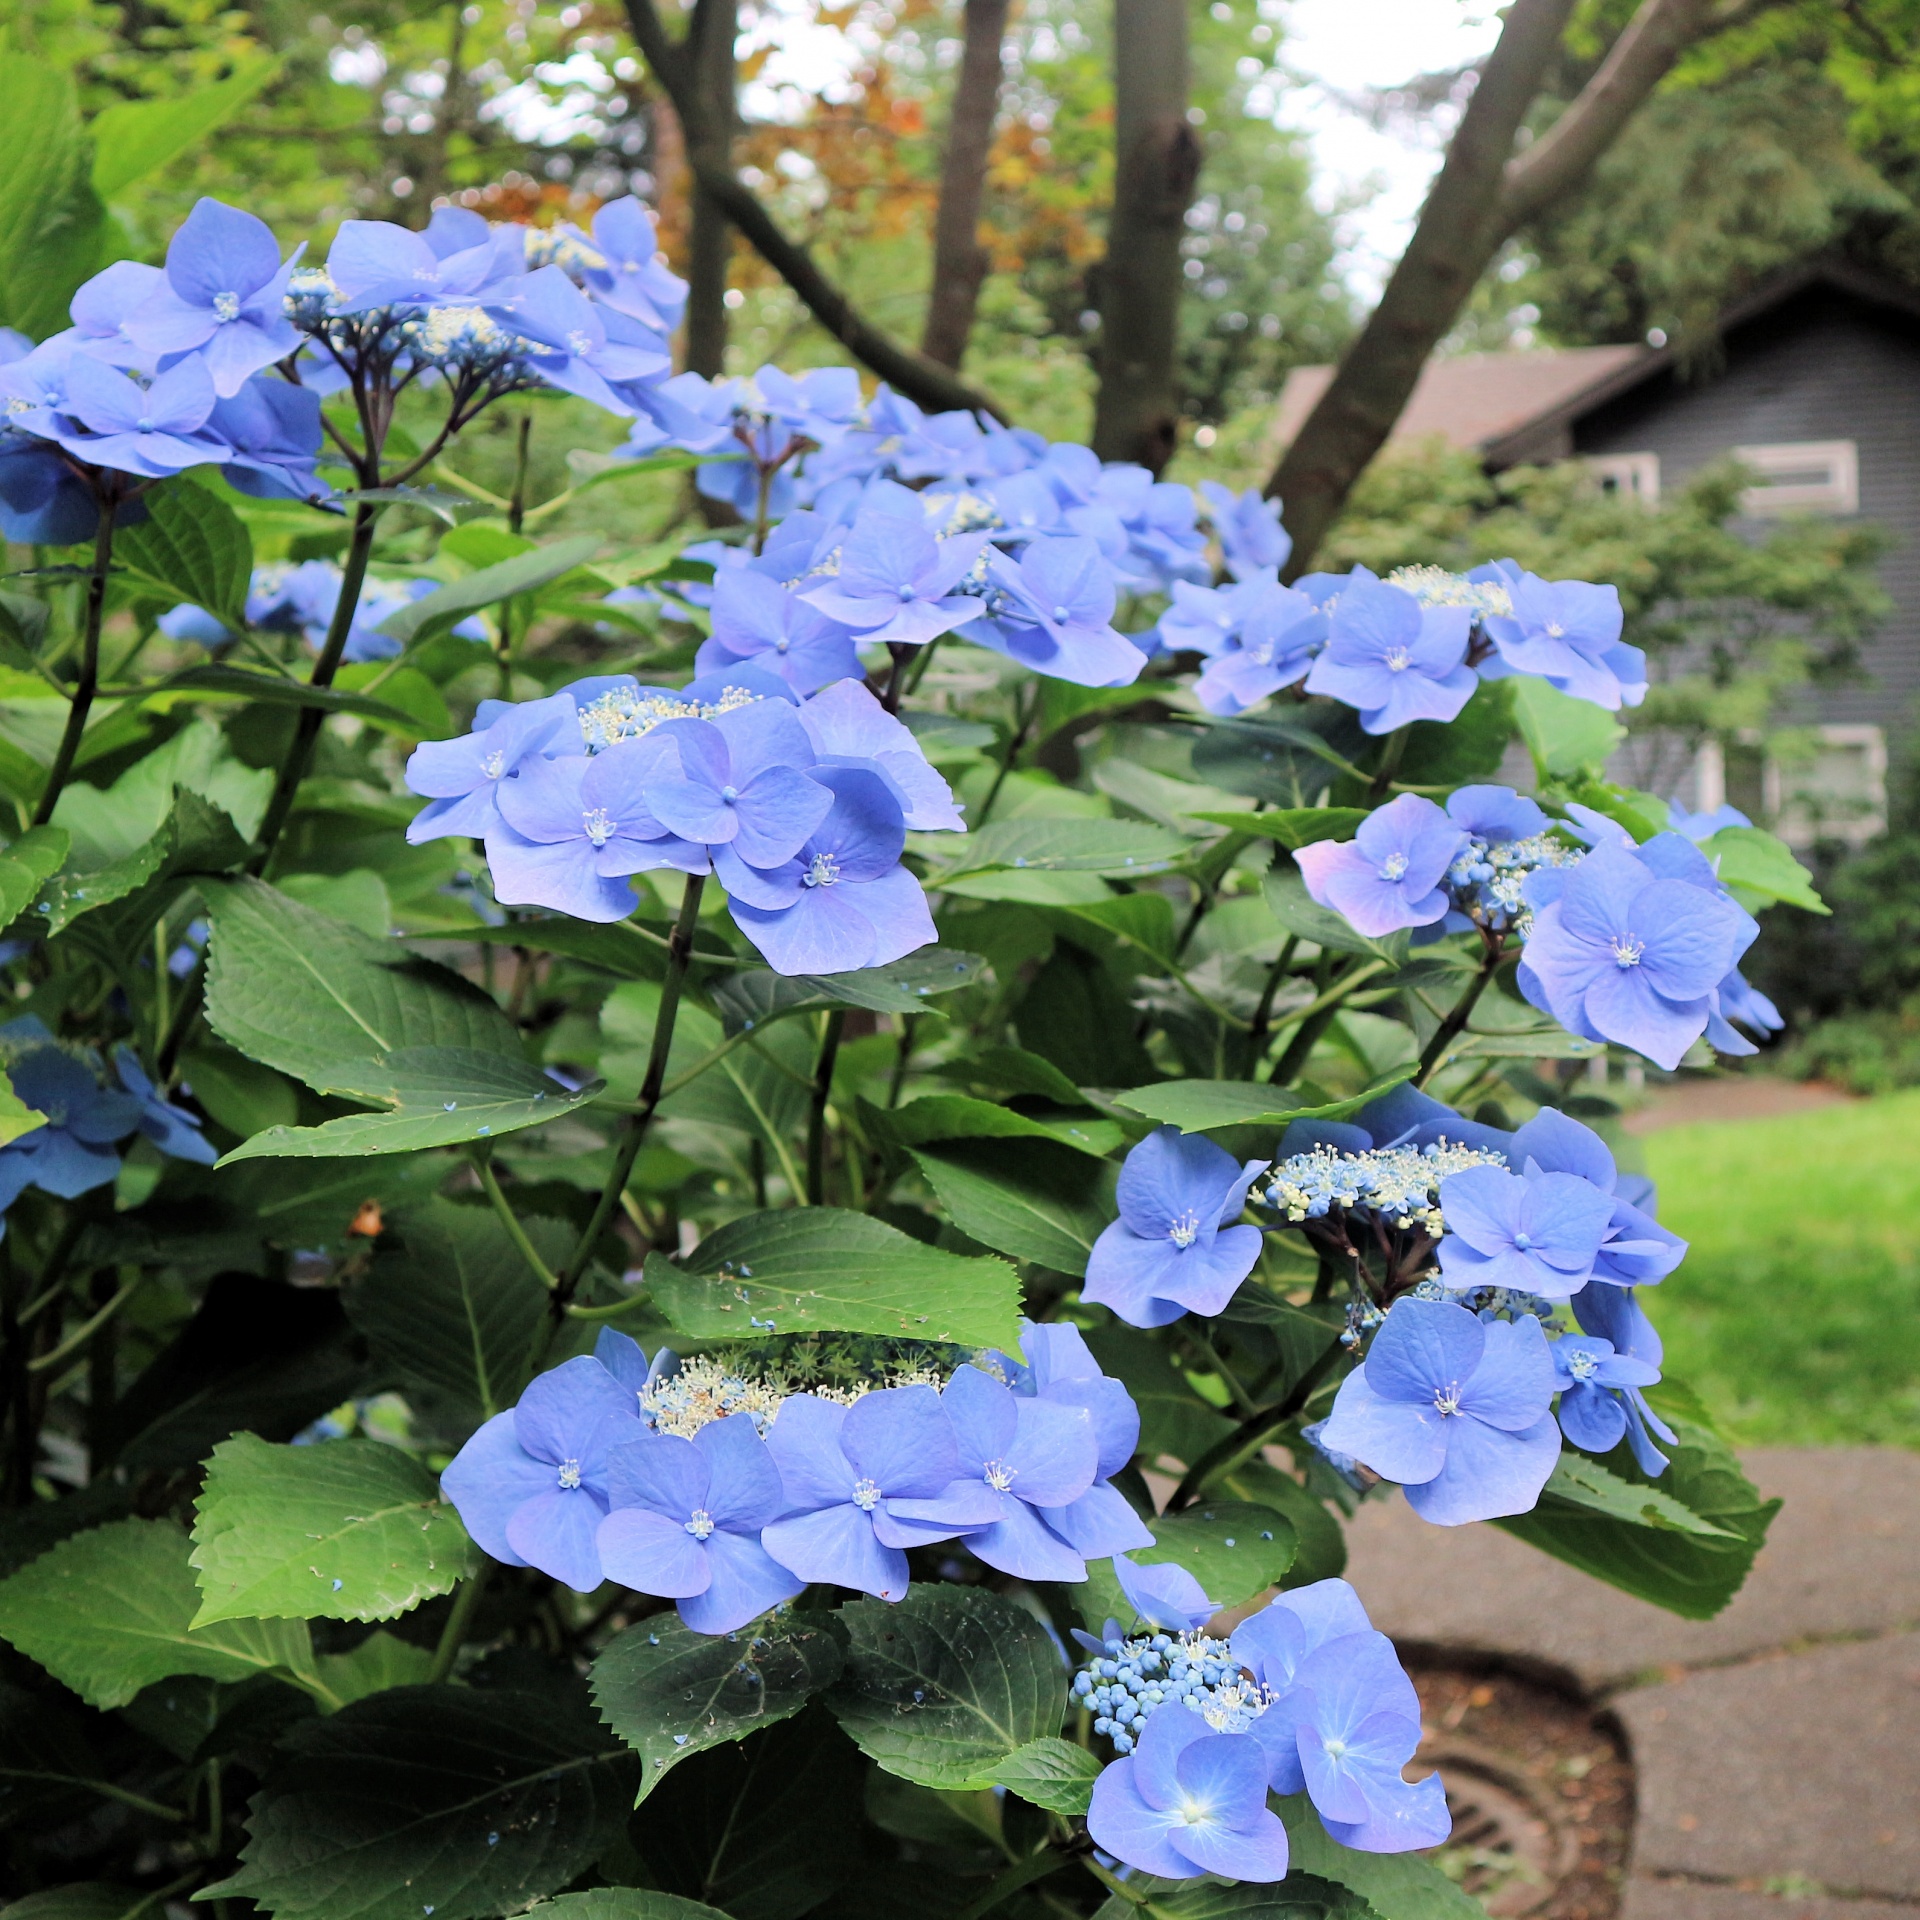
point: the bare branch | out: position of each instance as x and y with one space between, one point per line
913 374
959 260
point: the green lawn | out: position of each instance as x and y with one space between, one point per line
1797 1312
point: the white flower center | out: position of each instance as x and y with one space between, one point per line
782 644
999 1476
1582 1364
495 764
1398 659
866 1495
1446 1401
226 306
701 1525
598 826
729 794
1393 866
1627 950
1334 1749
569 1475
1185 1230
1062 615
579 343
1555 631
822 870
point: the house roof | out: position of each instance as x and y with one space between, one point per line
1511 407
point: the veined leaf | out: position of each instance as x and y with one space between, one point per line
1200 1106
26 866
821 1270
1232 1548
753 997
490 585
1761 867
1041 844
346 1530
191 546
1565 736
1293 827
1285 892
1395 1886
1031 1199
1051 1773
954 1116
134 138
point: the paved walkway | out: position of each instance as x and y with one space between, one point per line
1777 1746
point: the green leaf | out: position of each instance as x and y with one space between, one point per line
1300 1896
954 1116
1320 1552
1052 1773
820 1270
404 691
436 1097
1470 746
1650 1554
467 1801
50 211
380 1661
943 1687
17 1119
1124 848
670 1693
27 865
1285 892
274 690
82 1900
1395 1886
1233 1549
324 1002
447 605
1200 1106
1760 868
1013 1070
196 838
1032 1199
1288 763
109 825
1567 737
240 1094
1293 826
453 1308
1579 1480
192 546
751 998
134 138
110 1611
625 1903
346 1530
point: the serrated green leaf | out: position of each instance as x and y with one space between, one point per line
26 866
820 1270
1566 737
1396 1886
1759 864
1285 892
1200 1106
272 689
1300 1896
17 1119
625 1903
346 1530
1032 1199
109 825
1579 1480
523 574
110 1611
953 1116
670 1693
134 138
380 1661
1052 1773
753 997
193 547
943 1687
45 159
1234 1549
437 1097
1040 844
1293 827
468 1801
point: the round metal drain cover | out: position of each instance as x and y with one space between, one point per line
1511 1845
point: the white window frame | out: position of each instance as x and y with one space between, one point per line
1837 490
1636 476
1855 832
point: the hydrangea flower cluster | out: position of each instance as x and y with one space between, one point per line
1306 1697
719 1488
800 808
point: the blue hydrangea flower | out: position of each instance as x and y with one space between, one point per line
756 618
1496 815
1344 1719
1055 614
1029 1455
572 832
1566 632
685 1519
102 307
1248 528
1614 1315
896 581
1455 1409
170 1127
1273 648
1388 875
1208 620
1533 1232
73 1152
1164 1594
531 1485
152 431
1637 1250
1621 954
1736 998
850 728
575 345
1704 824
633 274
461 778
1590 1374
1392 658
373 263
843 1468
273 430
224 297
735 787
1189 1801
1172 1250
844 901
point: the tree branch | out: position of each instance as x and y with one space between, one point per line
913 374
959 260
709 65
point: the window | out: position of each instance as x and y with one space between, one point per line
1808 476
1636 475
1838 791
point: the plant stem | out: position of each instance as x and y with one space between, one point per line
1263 1013
1029 712
1036 1866
517 500
1450 1029
83 1332
459 1618
490 1181
1390 757
902 1057
1252 1433
817 1111
80 701
1317 1017
896 674
633 1130
293 769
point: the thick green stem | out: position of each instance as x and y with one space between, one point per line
1029 712
817 1109
1449 1030
1252 1433
490 1183
1263 1013
1317 1017
459 1618
293 769
80 701
1390 757
633 1130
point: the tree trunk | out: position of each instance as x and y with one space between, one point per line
711 38
959 260
1156 166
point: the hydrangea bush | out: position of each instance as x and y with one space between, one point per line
734 1222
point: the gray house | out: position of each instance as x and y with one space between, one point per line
1819 392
